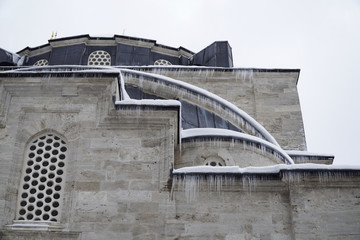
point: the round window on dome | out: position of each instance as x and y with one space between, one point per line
41 62
162 62
99 58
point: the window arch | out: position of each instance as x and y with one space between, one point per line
42 180
99 57
162 62
41 62
214 162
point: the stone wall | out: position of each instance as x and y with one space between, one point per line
301 208
269 96
232 153
327 209
118 174
272 209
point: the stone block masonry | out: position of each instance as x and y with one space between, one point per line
119 181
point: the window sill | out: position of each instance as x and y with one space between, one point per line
34 226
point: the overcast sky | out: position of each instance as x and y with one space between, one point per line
320 37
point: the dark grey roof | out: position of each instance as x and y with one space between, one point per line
123 51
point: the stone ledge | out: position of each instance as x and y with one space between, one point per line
30 234
34 225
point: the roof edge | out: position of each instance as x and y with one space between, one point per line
216 69
114 37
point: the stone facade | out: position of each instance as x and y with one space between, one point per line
269 96
122 177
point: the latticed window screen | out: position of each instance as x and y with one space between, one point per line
101 58
42 183
41 62
162 62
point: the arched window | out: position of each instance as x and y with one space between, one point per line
162 62
42 180
99 57
41 62
214 161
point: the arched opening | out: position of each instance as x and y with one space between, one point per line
42 179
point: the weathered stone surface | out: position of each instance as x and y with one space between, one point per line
269 97
118 174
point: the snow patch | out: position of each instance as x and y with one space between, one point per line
307 154
149 102
263 170
124 95
13 56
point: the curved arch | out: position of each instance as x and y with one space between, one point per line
213 134
174 89
43 132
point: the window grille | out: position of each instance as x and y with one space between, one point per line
214 162
162 62
41 62
99 57
42 183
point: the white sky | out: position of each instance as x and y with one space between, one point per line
321 37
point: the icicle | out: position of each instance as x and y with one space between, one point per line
249 183
124 95
192 185
250 124
232 143
263 149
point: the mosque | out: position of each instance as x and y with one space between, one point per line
125 138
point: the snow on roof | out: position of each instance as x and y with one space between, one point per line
262 170
13 56
149 102
307 154
212 96
197 68
124 95
197 132
126 100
